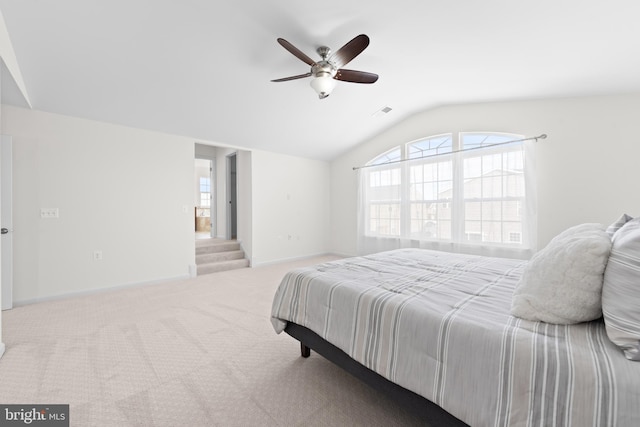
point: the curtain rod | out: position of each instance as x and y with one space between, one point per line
543 136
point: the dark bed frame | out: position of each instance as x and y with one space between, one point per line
425 409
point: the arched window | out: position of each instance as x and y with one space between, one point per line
452 191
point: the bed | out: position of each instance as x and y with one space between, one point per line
434 330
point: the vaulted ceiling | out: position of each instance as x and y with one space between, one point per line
202 68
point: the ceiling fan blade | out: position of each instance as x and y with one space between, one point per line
299 76
355 76
296 52
350 50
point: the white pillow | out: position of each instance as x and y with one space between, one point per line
563 282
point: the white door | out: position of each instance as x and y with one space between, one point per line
6 221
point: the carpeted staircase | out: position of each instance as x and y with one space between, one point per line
213 255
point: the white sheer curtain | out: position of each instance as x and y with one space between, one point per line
479 201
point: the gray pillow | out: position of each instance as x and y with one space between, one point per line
621 290
611 230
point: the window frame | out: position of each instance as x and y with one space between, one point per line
458 218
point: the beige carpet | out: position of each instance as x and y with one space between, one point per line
199 352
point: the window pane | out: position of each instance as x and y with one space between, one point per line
473 140
205 185
430 221
511 211
374 179
445 190
430 191
443 229
383 193
472 167
390 156
492 187
512 232
491 211
491 164
473 188
473 210
431 146
384 219
473 231
491 231
430 172
445 171
513 161
418 217
416 174
514 184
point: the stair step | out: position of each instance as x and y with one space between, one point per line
215 267
214 255
210 257
207 246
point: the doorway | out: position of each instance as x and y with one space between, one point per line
204 211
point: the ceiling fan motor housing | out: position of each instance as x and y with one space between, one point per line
322 68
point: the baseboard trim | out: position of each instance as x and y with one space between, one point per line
291 259
343 255
74 294
2 348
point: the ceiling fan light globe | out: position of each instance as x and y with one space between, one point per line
323 85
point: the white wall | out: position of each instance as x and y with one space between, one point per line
587 167
244 185
123 191
290 206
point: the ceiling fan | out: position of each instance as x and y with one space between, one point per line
329 69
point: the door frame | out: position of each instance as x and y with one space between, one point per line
213 195
232 196
6 214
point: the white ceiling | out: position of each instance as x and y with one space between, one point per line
202 68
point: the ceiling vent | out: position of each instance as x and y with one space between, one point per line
381 112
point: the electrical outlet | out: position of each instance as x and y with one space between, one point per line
49 213
97 255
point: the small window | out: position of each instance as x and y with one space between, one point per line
205 191
205 184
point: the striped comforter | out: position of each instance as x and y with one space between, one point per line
438 324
